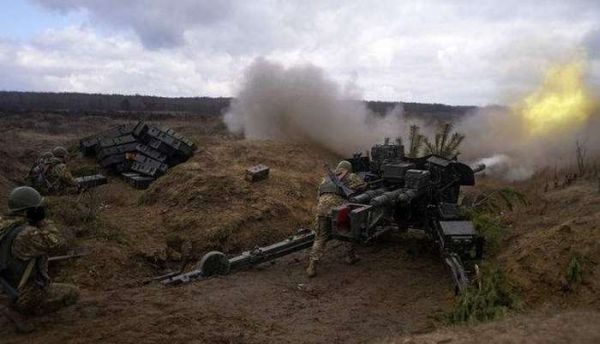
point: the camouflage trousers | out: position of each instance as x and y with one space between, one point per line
37 300
322 226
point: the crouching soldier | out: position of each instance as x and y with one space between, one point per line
330 197
51 174
60 177
38 173
26 240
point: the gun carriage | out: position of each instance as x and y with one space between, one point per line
418 193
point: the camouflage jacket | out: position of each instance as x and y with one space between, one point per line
327 201
31 242
52 176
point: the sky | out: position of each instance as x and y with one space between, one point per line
454 52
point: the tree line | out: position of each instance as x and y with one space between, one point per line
77 103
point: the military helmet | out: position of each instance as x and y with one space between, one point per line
60 152
344 165
46 155
23 198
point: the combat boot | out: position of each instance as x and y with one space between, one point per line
22 324
351 257
311 270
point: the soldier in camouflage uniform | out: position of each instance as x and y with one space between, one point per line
330 197
37 174
53 175
26 240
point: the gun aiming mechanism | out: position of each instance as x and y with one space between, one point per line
419 193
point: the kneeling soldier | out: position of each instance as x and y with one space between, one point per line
26 240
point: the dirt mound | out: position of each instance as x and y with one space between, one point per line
560 228
208 202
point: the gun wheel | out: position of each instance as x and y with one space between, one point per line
214 263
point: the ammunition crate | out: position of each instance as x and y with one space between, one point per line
120 149
88 145
395 172
88 182
180 137
105 143
172 145
117 131
461 236
145 160
146 169
152 153
140 130
145 150
112 160
136 180
417 179
257 173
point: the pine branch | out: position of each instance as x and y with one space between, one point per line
452 147
445 133
429 147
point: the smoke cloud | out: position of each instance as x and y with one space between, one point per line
540 130
302 104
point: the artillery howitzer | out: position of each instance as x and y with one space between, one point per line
418 193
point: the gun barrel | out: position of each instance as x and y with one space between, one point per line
367 196
392 198
478 168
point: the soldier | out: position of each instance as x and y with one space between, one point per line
330 197
55 176
37 174
26 240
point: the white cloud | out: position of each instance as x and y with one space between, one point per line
454 52
76 59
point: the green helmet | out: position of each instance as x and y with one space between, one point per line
46 156
344 165
60 152
23 198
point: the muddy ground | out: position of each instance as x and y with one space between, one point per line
398 292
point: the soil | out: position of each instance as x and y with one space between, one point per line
398 292
548 326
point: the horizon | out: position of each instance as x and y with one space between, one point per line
231 97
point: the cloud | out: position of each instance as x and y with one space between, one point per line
77 59
428 51
159 24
